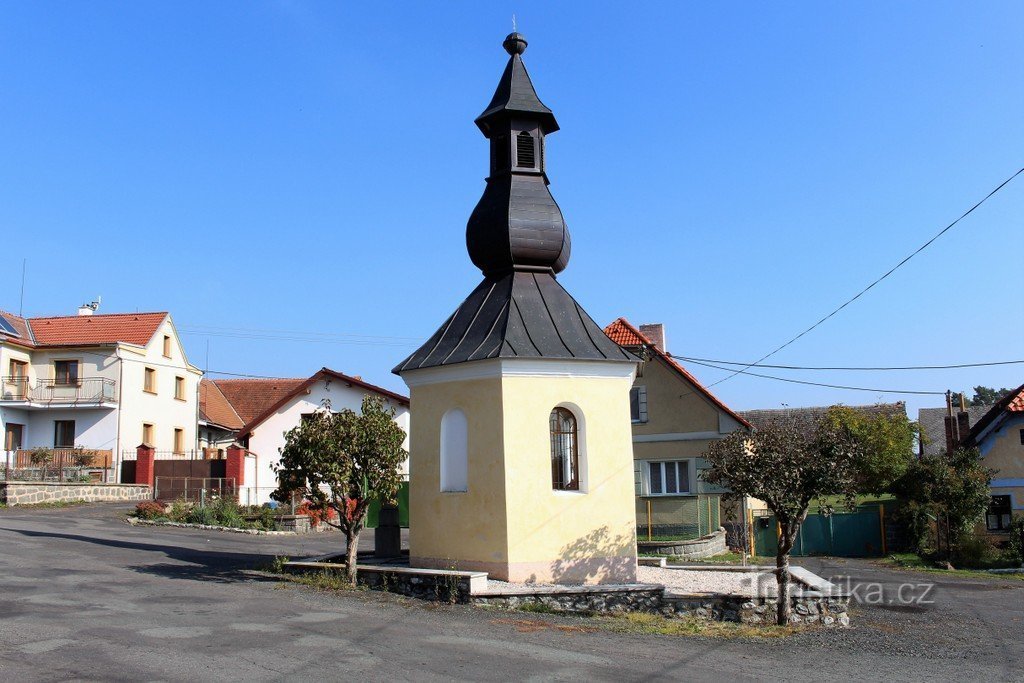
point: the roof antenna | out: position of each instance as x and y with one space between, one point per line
24 262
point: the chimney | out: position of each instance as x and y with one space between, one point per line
656 333
89 308
963 424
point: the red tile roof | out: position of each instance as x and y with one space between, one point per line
1016 404
253 422
624 334
215 408
250 397
74 330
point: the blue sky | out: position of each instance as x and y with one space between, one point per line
292 180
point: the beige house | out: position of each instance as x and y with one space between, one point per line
674 419
999 436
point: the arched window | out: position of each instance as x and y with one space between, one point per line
526 155
454 451
565 456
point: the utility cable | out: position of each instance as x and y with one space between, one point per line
887 274
953 366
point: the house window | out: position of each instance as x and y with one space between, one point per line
179 388
17 369
526 156
167 346
65 372
668 478
63 433
149 380
454 451
565 459
638 404
999 514
1022 437
179 440
147 434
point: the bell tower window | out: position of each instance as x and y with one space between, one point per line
526 153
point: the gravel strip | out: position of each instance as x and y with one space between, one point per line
710 581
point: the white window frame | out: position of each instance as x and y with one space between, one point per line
641 404
691 476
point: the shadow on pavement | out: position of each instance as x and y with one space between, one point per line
201 565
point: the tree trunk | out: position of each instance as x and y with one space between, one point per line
351 550
786 540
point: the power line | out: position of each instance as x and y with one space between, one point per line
820 384
848 367
887 274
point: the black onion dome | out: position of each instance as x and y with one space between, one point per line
517 224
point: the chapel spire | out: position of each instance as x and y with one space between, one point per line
517 226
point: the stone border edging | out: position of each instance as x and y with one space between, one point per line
133 521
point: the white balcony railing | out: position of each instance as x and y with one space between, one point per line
52 392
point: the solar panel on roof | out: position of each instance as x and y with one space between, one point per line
6 327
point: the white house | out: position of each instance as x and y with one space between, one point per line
103 382
263 433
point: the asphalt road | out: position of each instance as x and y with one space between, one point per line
84 596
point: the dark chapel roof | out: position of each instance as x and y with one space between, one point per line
518 238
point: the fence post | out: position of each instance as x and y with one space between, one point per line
145 455
234 468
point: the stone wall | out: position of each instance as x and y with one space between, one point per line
427 584
706 546
808 607
31 492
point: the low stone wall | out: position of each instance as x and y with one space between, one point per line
427 584
30 492
808 608
706 546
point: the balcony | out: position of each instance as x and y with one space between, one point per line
93 392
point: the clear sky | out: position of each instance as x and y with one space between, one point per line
292 180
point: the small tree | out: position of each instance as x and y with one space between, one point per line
886 441
952 487
343 461
788 466
987 396
41 457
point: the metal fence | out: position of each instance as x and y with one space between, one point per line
193 489
673 517
58 464
202 454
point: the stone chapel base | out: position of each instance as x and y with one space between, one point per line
586 571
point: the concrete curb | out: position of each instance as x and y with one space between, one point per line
133 521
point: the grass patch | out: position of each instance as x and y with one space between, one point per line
723 558
655 624
324 581
913 562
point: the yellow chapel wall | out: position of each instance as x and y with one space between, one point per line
564 536
463 530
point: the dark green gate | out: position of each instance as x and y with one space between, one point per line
841 534
373 512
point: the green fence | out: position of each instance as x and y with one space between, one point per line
373 513
841 534
675 517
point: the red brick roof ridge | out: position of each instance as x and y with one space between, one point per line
612 333
1013 402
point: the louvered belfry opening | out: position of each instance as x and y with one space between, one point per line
526 156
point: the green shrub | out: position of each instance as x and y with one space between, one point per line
1015 543
976 552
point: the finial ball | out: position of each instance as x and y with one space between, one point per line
515 44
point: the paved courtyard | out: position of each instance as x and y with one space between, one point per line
84 596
